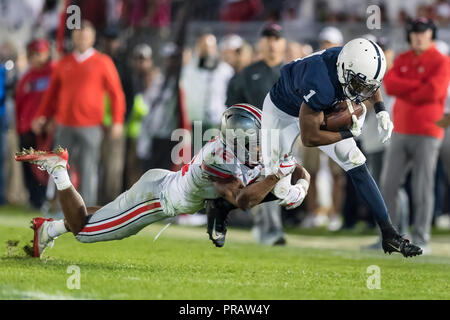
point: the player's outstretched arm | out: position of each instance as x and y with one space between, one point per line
245 197
311 134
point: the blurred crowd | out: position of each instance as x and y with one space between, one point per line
110 95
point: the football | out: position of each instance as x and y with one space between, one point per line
340 118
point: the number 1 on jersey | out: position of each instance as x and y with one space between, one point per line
309 95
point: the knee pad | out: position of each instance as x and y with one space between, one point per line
349 154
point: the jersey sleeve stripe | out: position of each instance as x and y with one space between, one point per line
221 169
215 171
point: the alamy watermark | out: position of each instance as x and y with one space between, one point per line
373 21
73 282
73 20
374 279
242 145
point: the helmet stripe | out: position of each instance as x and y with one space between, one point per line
379 59
255 111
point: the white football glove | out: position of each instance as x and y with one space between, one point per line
294 198
285 167
358 122
385 126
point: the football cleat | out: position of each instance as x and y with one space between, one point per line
399 244
217 212
41 239
45 160
217 232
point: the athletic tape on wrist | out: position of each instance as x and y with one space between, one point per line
379 106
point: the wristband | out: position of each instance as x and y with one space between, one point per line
379 106
304 184
346 134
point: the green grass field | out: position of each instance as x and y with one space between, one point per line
183 264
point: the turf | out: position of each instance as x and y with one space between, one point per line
183 264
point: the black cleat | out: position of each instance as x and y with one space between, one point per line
399 244
217 212
217 232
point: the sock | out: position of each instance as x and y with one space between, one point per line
56 228
61 178
369 192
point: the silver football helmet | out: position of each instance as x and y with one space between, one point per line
240 131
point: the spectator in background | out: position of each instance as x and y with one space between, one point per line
254 81
93 11
110 43
251 86
442 9
444 123
328 37
204 80
112 156
29 93
236 52
296 50
15 64
419 81
75 99
444 155
143 100
147 13
293 51
3 128
167 112
240 10
49 17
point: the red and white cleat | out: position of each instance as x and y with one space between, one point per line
41 238
45 160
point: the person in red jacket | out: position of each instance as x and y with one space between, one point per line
28 95
419 81
75 99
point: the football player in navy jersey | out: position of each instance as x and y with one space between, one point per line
295 105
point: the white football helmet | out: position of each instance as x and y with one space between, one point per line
361 65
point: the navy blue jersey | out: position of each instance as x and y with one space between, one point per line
312 80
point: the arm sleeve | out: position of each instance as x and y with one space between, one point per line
395 84
114 88
49 102
434 87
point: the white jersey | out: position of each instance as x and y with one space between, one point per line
185 191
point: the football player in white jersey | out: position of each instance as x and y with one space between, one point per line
227 167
